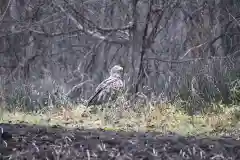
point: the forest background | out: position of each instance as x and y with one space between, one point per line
183 53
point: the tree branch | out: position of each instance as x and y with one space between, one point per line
4 13
89 32
127 27
187 60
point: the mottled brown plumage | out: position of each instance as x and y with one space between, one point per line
109 89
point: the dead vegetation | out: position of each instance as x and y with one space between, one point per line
163 132
40 142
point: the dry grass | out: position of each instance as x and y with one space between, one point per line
162 118
77 133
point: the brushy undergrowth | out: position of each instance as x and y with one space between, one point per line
162 118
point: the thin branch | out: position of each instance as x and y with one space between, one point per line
173 61
233 18
91 33
53 34
189 50
4 13
188 60
127 27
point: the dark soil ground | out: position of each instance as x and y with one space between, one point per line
39 142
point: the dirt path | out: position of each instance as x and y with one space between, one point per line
38 142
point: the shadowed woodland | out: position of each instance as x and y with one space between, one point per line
169 49
179 52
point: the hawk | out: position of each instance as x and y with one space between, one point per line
109 89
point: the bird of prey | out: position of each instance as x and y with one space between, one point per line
109 89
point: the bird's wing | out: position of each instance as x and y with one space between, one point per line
102 86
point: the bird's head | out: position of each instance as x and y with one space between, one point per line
116 71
